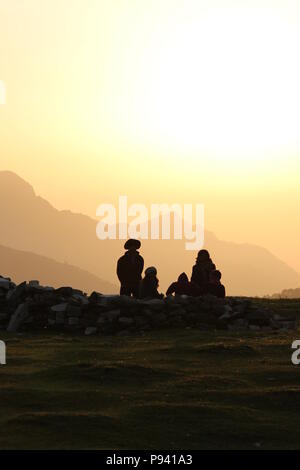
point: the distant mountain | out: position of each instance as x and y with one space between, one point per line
24 266
287 294
255 270
30 223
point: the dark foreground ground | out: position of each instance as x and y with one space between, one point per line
165 390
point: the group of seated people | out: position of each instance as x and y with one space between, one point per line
205 279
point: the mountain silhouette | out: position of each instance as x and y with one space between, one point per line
24 266
30 223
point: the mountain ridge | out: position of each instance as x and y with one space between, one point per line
30 223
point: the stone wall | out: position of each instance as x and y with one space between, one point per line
30 306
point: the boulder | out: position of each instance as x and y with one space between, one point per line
91 330
18 318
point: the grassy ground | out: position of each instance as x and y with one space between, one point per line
165 390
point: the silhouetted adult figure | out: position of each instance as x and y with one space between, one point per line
149 285
201 271
129 268
214 286
183 287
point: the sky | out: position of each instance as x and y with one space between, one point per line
177 101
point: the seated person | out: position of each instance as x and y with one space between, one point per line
149 285
201 271
183 287
215 287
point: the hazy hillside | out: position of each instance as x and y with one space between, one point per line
24 266
30 223
287 294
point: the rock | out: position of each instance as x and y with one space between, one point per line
17 295
126 321
73 311
91 330
177 312
107 300
141 321
153 304
35 306
254 328
239 324
112 315
64 291
81 298
95 297
4 284
158 319
20 315
59 308
60 318
287 325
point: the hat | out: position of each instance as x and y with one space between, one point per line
132 243
151 270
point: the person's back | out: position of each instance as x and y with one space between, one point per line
183 287
129 269
201 271
215 287
149 285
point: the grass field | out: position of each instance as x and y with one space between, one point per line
175 389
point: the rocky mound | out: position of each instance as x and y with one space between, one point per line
29 305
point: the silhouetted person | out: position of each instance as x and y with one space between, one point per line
149 285
201 271
215 287
129 269
183 287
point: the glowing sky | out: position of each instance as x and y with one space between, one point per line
160 100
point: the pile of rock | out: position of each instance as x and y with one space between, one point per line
30 305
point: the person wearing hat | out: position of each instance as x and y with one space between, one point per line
129 268
149 285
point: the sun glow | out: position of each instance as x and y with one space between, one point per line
223 82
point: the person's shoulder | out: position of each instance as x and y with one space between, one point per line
173 285
222 290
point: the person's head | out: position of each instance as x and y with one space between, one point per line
132 245
203 256
183 278
215 276
151 272
150 276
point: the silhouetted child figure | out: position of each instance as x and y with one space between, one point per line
201 271
149 285
129 269
183 287
215 287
